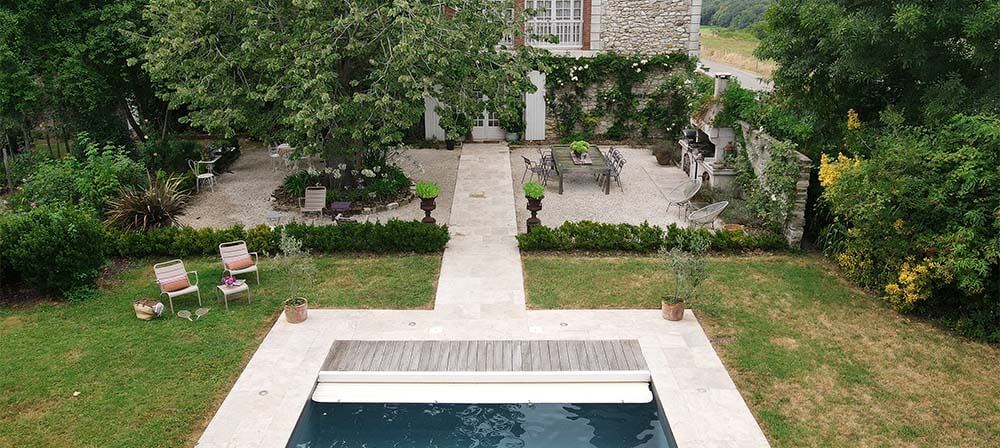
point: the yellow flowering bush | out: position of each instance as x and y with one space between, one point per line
915 283
853 120
830 170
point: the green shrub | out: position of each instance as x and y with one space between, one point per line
592 236
160 204
90 181
295 184
392 237
53 248
428 190
171 156
643 238
230 148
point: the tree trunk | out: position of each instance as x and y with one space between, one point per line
29 143
48 143
132 123
166 118
65 139
6 165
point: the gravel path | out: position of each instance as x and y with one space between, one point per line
243 195
645 182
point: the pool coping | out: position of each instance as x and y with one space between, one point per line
693 388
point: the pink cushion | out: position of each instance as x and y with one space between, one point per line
242 262
175 283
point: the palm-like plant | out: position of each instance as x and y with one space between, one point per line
159 205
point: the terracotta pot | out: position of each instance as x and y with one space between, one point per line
672 311
534 206
297 313
428 205
733 227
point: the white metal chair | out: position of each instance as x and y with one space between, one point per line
199 177
682 194
234 258
275 154
173 273
707 214
313 202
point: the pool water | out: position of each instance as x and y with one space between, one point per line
352 425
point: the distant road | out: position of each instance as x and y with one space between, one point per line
747 79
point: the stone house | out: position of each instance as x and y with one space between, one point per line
586 28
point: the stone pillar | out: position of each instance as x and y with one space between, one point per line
585 29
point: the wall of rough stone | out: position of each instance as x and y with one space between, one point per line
647 26
591 101
757 144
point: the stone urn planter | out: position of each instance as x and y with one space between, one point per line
534 206
672 308
428 205
296 310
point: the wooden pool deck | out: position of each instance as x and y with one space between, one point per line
485 356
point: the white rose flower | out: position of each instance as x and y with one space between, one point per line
367 173
342 166
377 169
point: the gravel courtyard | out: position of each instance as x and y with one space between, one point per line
243 195
645 185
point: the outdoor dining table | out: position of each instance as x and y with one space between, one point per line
562 157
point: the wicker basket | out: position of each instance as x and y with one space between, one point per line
145 309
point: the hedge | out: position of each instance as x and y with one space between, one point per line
642 238
391 237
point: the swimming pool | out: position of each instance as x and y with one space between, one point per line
376 425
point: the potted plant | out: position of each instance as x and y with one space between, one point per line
688 265
299 265
456 126
579 147
534 192
427 192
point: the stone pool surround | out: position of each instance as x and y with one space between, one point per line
481 297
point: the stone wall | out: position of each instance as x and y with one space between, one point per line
591 101
647 26
757 144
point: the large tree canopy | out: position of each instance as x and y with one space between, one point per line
332 75
929 59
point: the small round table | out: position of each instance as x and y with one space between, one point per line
234 290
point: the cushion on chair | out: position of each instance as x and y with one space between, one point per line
175 283
238 263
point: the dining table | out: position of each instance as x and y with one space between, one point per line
564 163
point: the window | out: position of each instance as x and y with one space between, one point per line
560 18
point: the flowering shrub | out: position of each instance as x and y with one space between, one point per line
917 219
380 183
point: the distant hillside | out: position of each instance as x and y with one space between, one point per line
737 14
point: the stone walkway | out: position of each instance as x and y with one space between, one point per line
481 270
481 297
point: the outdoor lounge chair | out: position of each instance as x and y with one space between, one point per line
682 194
314 201
174 281
707 214
237 260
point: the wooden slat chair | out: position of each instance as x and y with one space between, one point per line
235 258
314 201
174 281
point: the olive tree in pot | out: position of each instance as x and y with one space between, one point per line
688 265
298 265
534 192
427 192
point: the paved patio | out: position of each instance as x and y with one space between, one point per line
645 183
481 297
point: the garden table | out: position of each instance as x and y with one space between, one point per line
562 156
227 291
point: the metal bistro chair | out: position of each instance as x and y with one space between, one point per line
682 194
200 177
547 161
615 165
707 214
536 169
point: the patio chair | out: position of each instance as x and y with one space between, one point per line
174 281
536 169
199 177
682 194
547 161
615 166
707 214
236 259
313 202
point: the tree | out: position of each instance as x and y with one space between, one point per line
928 59
329 76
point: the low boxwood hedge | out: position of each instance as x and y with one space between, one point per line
588 236
380 238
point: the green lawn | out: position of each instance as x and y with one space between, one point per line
819 362
156 384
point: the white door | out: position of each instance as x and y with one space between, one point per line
486 127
